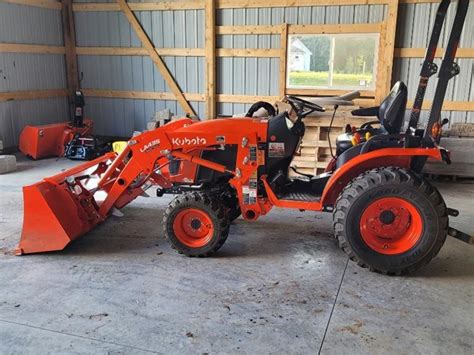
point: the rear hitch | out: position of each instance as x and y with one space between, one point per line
466 238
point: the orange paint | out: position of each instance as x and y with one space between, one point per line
59 211
49 140
193 227
391 225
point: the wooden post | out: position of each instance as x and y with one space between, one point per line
386 52
210 10
146 42
69 35
45 4
283 58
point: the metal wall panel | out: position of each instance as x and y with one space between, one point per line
167 29
18 72
260 76
239 76
185 28
31 25
415 22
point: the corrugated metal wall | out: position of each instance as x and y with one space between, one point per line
185 28
30 25
167 29
415 22
260 76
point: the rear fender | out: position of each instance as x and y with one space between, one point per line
399 157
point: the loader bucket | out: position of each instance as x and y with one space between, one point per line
54 215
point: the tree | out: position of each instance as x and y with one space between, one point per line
320 46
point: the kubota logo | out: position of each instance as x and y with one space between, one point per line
150 146
189 141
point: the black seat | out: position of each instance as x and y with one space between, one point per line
391 112
391 115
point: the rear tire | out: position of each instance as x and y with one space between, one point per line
390 220
196 224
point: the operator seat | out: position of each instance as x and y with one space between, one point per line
391 115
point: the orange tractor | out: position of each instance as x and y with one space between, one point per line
386 215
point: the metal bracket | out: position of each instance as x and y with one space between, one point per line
432 68
454 70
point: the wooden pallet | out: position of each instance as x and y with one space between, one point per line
314 153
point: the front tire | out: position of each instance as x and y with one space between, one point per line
390 220
196 224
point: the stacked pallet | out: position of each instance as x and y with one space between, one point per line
315 153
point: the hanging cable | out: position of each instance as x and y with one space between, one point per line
336 106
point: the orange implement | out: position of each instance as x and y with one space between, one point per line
56 213
49 140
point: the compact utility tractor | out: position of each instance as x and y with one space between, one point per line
386 215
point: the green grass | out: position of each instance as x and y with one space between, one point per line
311 78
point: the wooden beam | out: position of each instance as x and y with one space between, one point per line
146 42
248 52
386 50
191 52
337 28
421 1
300 29
327 92
283 58
142 95
152 6
32 94
31 48
448 105
140 51
230 4
45 4
69 35
246 99
210 31
222 4
248 30
420 52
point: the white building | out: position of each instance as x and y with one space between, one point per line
300 56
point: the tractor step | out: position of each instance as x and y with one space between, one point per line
299 196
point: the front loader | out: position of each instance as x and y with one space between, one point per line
386 215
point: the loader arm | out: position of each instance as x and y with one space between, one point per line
91 191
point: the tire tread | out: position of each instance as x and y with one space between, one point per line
379 176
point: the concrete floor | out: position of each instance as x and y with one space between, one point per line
278 285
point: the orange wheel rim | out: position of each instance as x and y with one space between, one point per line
391 225
193 227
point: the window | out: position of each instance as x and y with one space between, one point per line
339 61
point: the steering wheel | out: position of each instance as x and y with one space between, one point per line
261 104
293 100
